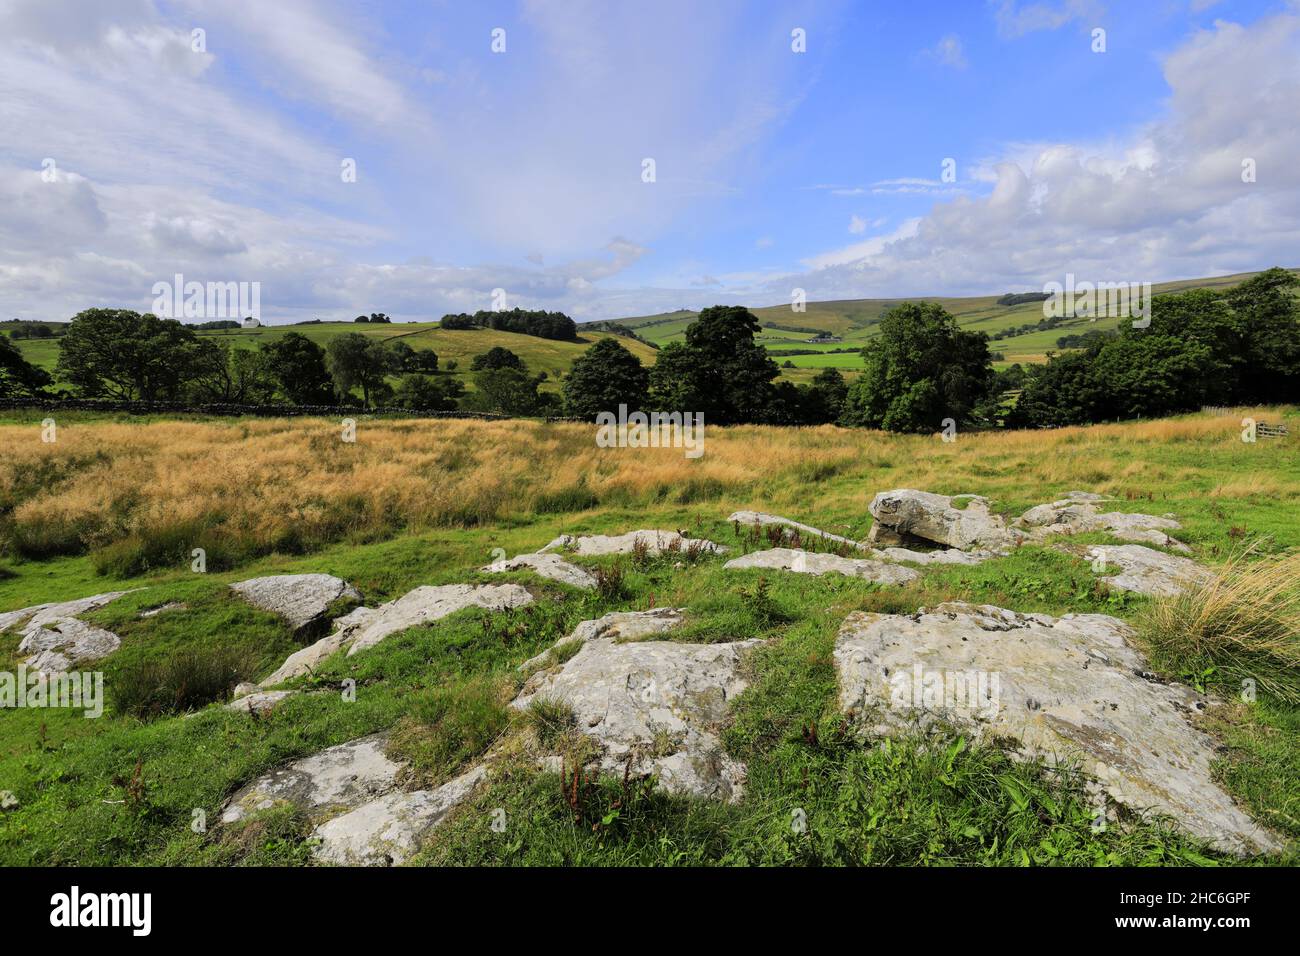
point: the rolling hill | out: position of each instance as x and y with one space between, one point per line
855 320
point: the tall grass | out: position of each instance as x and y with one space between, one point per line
1243 624
142 492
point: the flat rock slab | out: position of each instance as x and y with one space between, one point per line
658 703
424 605
655 542
55 638
333 781
937 519
547 565
301 599
1078 512
762 519
1068 687
388 830
259 702
618 626
813 562
939 556
1146 571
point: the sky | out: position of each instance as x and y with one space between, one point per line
607 158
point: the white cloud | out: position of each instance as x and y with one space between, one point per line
948 52
1016 19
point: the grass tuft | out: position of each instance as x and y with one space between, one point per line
1241 625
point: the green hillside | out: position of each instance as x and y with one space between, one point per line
855 321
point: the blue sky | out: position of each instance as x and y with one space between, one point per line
522 170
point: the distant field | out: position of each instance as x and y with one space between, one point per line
855 321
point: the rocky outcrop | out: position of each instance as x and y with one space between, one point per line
55 638
301 599
1146 571
388 830
656 704
763 520
425 605
365 627
333 781
937 519
655 542
1065 688
813 562
547 565
618 626
1079 512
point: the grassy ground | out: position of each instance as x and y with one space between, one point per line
123 789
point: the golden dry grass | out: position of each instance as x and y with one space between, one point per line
1245 621
265 481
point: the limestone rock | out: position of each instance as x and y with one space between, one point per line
935 518
386 831
813 562
335 780
618 626
426 604
938 556
1078 512
301 599
761 518
55 638
305 661
548 565
659 703
1069 687
1146 571
656 542
259 702
164 608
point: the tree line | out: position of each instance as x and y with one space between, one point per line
545 325
1202 347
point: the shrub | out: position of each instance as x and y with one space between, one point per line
1242 624
168 547
185 679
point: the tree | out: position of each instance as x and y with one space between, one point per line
920 369
678 381
823 401
126 355
19 378
426 393
719 371
1271 313
297 364
604 377
403 358
358 361
496 357
734 373
509 391
232 376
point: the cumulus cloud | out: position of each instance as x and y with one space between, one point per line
1168 201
